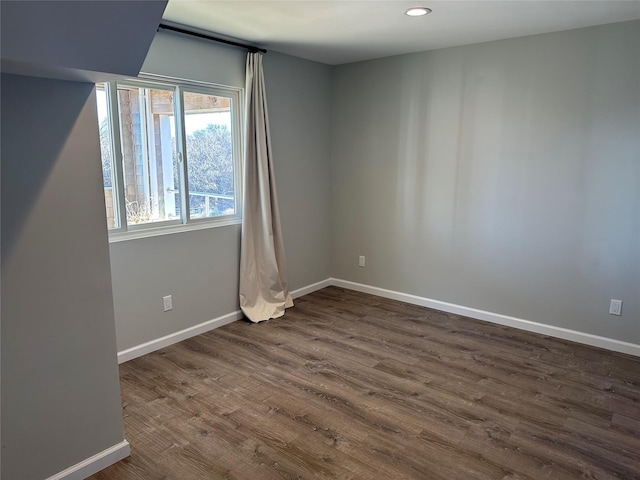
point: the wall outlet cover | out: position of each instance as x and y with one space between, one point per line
615 307
168 303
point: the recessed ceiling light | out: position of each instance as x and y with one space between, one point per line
417 11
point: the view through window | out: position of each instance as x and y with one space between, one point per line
170 153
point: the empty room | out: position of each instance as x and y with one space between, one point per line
320 239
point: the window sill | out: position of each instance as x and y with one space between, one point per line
115 237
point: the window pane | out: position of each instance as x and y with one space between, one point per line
106 151
150 166
209 141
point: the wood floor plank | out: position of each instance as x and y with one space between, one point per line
356 387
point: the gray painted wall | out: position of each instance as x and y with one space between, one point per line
503 176
298 95
200 268
75 40
60 388
191 58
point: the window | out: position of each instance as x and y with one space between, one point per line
170 154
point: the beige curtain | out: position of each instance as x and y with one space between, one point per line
264 292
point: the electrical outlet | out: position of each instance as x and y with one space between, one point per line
168 303
615 307
361 261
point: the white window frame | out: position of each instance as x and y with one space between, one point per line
185 222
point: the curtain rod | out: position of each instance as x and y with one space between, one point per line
251 48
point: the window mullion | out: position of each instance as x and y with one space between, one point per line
112 98
144 123
181 146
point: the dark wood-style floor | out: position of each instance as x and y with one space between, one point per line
352 386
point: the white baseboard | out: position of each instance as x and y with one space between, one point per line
311 288
94 464
550 330
158 343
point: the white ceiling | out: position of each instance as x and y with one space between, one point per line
336 32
